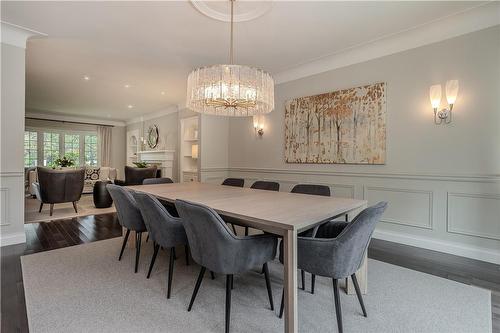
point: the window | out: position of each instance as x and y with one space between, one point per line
30 149
50 148
72 147
90 149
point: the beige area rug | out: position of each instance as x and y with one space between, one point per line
62 211
85 288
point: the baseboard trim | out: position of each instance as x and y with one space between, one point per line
17 238
440 246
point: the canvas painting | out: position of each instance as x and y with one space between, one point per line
344 126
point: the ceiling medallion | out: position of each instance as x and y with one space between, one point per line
245 10
229 89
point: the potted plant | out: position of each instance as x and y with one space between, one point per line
64 162
141 164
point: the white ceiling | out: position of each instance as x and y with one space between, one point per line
152 46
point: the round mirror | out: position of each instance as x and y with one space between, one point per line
153 136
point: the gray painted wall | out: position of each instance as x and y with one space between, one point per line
442 182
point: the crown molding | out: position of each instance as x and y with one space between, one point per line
474 19
16 35
153 115
44 115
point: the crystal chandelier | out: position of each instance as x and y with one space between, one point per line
230 90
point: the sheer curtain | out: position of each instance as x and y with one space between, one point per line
104 139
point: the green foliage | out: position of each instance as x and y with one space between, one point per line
141 164
67 160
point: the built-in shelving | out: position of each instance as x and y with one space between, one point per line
189 149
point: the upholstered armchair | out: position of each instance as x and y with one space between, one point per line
135 176
58 186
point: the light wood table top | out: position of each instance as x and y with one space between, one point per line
258 208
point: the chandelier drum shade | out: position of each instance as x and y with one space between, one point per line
229 89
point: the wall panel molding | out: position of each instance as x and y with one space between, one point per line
411 221
409 176
469 216
4 207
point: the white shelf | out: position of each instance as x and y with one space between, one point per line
191 140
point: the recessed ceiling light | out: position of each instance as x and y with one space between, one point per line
127 86
86 77
130 106
163 93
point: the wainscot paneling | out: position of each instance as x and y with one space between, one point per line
436 212
407 206
474 214
4 206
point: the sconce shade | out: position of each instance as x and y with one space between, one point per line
435 95
451 91
194 151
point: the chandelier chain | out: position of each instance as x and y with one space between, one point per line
231 36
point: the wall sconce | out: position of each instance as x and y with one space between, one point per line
194 151
258 124
443 115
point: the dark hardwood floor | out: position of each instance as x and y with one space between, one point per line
69 232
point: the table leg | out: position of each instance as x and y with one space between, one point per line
290 281
362 273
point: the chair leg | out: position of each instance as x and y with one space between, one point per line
358 292
74 207
147 237
338 310
234 230
138 238
175 254
196 287
313 282
41 206
268 285
51 209
282 306
170 272
186 251
212 275
303 277
155 253
124 243
229 279
246 231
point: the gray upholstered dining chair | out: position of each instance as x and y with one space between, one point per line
129 217
311 189
215 247
165 230
151 181
264 185
237 182
337 251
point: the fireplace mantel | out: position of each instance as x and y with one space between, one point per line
164 158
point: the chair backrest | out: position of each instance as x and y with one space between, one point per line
163 228
351 244
265 185
209 237
135 176
129 215
237 182
312 189
151 181
58 186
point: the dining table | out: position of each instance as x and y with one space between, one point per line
281 213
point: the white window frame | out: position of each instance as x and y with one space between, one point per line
62 132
